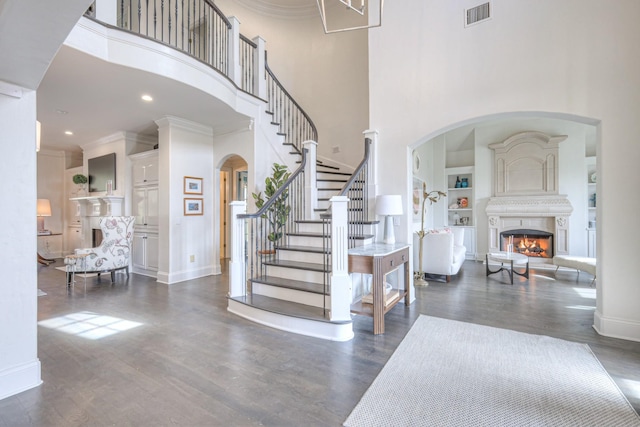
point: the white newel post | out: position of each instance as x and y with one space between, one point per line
372 182
107 11
235 72
260 63
310 187
340 279
237 262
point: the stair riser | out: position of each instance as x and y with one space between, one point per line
310 227
286 294
315 242
326 175
301 256
295 274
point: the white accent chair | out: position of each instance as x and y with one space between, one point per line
113 253
443 251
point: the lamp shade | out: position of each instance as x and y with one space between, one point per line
44 207
389 204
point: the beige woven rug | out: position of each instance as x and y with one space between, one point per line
450 373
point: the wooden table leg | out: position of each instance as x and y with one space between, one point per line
377 285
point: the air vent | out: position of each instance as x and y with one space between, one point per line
477 14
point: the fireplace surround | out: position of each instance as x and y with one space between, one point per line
526 192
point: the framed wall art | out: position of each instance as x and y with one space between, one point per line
192 185
193 207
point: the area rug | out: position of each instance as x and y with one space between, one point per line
77 274
450 373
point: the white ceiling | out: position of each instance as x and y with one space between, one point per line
99 99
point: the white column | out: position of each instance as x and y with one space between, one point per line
372 181
310 186
19 363
340 279
107 11
237 266
235 72
260 89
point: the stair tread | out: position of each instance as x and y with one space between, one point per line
335 173
330 180
298 248
309 266
319 221
287 308
281 282
351 236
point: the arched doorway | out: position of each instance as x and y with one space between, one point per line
233 186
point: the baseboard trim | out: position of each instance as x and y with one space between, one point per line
616 328
181 276
20 378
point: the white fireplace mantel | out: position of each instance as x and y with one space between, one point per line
100 206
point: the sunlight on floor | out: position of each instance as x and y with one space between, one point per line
89 325
632 387
581 307
586 292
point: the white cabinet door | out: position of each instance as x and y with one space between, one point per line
145 170
152 206
152 251
138 250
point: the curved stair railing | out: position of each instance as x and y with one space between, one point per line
356 189
199 29
293 121
258 226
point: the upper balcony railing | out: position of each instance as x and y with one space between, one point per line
199 29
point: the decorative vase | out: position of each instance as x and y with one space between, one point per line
458 183
464 183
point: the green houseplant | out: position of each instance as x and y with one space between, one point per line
81 181
278 213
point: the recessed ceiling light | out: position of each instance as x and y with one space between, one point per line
147 98
68 132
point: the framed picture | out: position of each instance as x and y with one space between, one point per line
193 207
192 185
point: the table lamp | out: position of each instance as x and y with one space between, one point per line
389 205
43 209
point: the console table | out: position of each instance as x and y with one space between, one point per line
380 259
42 260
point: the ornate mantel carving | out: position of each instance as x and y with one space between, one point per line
526 164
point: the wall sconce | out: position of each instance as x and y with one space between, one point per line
388 206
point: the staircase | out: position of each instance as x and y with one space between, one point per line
291 288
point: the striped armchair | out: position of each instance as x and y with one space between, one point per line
113 253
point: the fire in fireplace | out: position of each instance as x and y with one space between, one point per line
533 243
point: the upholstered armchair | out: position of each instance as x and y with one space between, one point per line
443 251
113 253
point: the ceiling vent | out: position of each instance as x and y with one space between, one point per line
477 14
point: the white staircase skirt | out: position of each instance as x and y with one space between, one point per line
324 330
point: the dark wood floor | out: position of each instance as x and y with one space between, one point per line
192 363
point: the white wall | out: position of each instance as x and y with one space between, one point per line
50 170
19 364
576 58
326 74
186 150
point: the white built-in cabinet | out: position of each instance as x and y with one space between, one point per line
590 163
144 208
461 204
73 221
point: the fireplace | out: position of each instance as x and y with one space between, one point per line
526 202
96 237
533 243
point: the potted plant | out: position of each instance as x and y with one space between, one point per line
80 180
278 213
